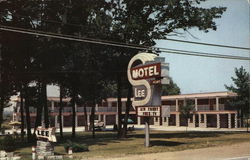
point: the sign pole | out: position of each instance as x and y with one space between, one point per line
147 138
147 79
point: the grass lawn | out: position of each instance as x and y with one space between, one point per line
107 145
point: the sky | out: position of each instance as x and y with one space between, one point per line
199 74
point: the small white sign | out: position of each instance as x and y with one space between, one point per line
149 111
165 111
46 133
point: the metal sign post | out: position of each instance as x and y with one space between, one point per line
147 133
147 79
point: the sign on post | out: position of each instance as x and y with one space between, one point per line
149 111
147 72
46 137
46 133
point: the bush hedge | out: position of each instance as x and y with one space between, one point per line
76 147
8 143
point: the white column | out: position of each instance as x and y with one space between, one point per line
138 120
76 121
157 122
99 117
218 120
176 105
236 121
88 119
62 121
229 121
56 125
217 104
167 121
75 107
104 120
194 120
177 120
205 120
196 104
52 105
116 119
199 119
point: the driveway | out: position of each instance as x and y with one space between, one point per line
240 151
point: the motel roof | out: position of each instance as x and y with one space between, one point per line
191 96
170 97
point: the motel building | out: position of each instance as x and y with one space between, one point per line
211 110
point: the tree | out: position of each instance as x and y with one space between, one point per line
127 21
128 106
170 89
143 22
242 88
186 110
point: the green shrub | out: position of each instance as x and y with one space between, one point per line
76 147
8 144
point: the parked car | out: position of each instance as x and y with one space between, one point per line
99 125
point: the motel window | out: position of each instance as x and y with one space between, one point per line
203 101
164 102
156 119
165 119
202 118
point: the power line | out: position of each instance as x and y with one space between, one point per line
66 37
169 39
115 44
198 53
208 44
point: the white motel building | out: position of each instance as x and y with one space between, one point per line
211 110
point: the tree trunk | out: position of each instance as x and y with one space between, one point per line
119 105
85 117
247 115
1 91
128 105
92 119
1 110
60 113
247 125
73 114
45 106
241 118
39 111
27 115
21 112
